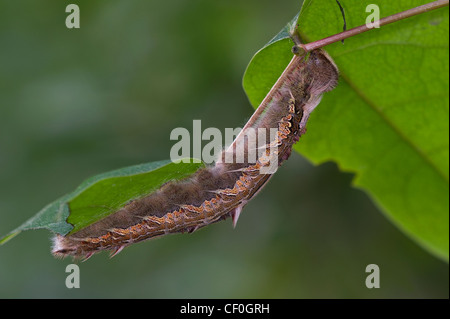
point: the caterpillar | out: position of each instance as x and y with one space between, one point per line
219 191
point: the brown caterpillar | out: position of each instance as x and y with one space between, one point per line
220 191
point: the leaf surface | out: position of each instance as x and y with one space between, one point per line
104 194
388 119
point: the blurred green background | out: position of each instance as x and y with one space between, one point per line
75 103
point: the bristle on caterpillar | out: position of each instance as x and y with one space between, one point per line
221 191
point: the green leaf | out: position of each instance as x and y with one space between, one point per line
387 121
267 65
104 194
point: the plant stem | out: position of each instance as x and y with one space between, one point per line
384 21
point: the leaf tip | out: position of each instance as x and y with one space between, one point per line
8 237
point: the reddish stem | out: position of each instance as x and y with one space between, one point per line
363 28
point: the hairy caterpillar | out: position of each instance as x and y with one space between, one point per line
220 191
